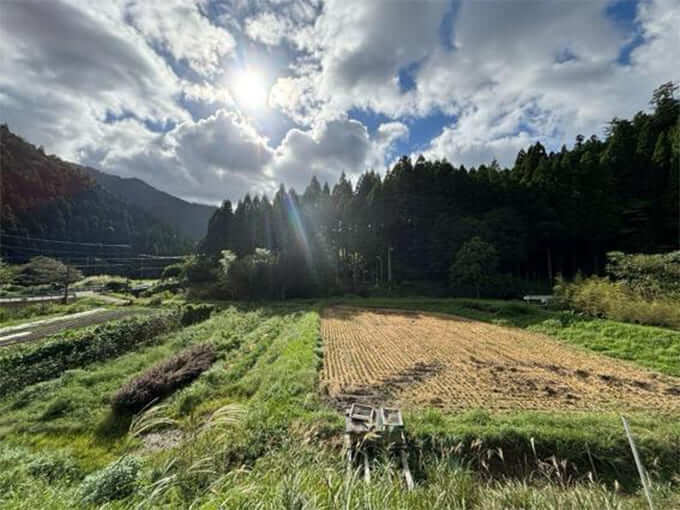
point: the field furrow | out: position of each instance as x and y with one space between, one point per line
414 358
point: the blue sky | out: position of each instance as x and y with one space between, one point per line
210 99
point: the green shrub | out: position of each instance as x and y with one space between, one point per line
192 314
53 468
58 407
163 379
115 481
117 286
172 271
649 276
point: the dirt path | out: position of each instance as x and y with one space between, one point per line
414 358
38 329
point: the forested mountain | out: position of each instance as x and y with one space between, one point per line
190 219
46 198
552 212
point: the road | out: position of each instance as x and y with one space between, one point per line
58 297
38 329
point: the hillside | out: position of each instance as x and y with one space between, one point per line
190 219
47 198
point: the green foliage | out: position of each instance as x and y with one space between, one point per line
111 483
52 357
285 452
475 263
599 297
172 271
163 379
191 314
649 276
45 270
251 276
45 197
54 468
643 289
550 213
121 286
6 273
199 269
57 408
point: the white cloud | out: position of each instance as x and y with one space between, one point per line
92 82
330 148
511 89
57 88
359 48
180 28
268 28
211 159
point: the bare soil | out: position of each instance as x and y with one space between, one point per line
421 359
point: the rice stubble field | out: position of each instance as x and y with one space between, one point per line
418 359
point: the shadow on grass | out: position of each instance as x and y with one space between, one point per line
502 313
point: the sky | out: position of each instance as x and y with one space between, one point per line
212 99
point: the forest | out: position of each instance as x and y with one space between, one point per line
51 207
552 213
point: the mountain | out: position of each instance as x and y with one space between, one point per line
53 207
190 219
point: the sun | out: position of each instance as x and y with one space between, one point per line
249 90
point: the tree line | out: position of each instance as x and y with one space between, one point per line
550 213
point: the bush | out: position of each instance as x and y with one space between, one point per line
599 297
51 358
117 286
649 276
172 286
172 271
115 481
53 468
192 314
163 379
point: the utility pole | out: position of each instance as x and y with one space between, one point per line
389 265
68 277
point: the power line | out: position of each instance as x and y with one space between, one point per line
75 255
57 241
64 252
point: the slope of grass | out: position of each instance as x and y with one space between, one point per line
653 347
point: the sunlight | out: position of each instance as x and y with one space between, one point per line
249 90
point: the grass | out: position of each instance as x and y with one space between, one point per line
285 452
652 347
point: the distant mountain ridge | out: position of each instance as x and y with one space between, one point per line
52 207
190 219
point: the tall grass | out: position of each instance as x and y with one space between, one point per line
600 297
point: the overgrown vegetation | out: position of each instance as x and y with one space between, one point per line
639 288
